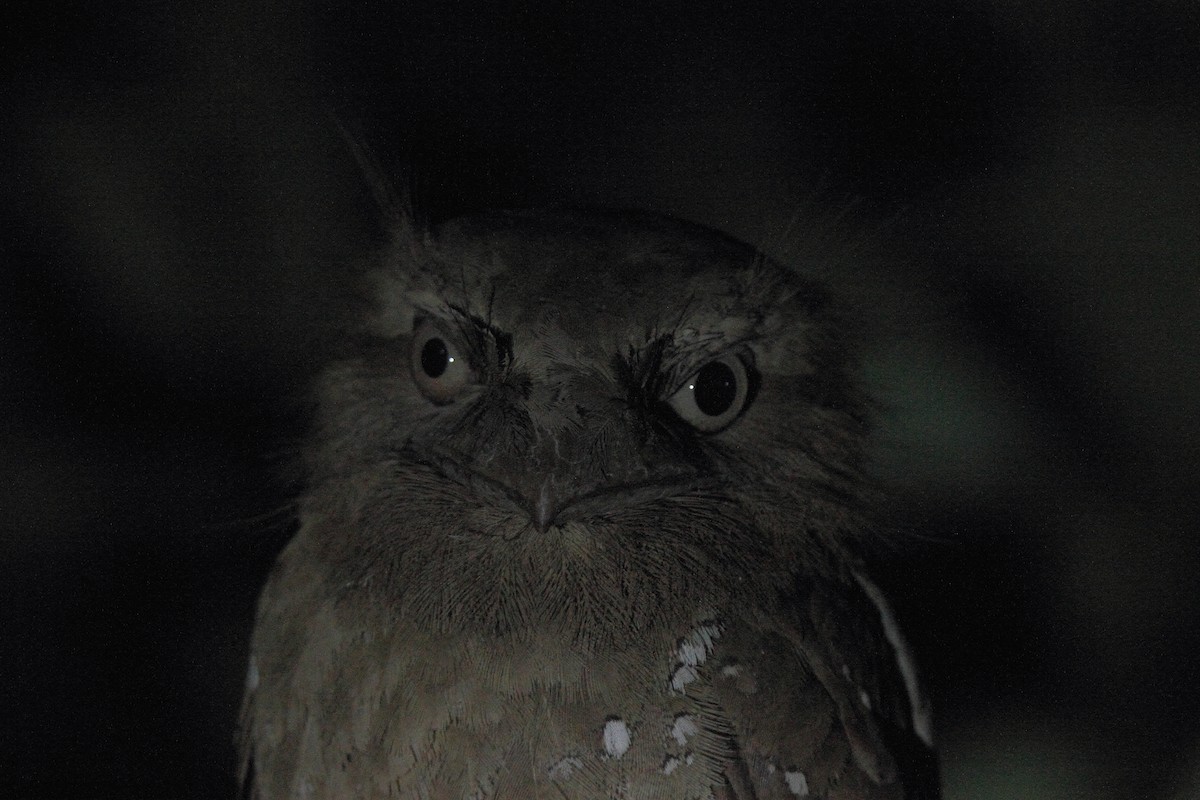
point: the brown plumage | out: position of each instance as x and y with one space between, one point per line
581 522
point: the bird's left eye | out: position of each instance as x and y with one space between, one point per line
713 397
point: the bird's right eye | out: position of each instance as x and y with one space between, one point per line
439 367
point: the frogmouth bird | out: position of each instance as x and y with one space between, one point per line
584 517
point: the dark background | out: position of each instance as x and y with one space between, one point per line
1020 181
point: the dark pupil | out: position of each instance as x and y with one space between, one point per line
716 388
435 357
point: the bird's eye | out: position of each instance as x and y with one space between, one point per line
440 369
713 397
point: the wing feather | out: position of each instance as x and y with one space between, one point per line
824 702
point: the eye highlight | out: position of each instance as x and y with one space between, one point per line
439 366
714 396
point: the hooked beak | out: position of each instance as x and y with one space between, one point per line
545 509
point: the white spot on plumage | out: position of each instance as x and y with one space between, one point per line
731 670
690 654
670 765
565 768
797 783
684 728
864 698
695 647
616 737
771 769
692 651
682 677
922 716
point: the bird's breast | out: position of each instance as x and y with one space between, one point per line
452 715
522 718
